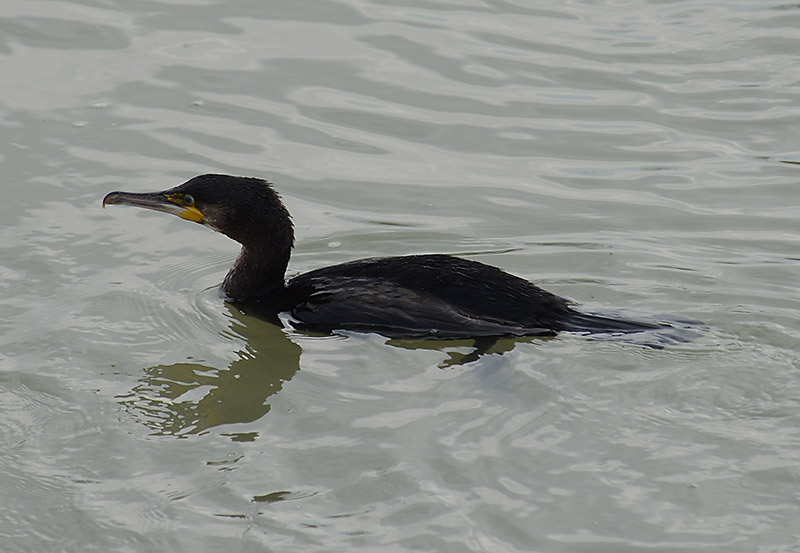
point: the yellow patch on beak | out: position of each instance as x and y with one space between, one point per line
192 214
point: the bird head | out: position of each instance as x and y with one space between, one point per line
245 209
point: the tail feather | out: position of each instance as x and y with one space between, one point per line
648 330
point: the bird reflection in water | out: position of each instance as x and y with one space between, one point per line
190 398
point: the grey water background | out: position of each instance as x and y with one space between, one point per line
629 154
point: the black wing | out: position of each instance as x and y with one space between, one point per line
390 309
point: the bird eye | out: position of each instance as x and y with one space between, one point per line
188 200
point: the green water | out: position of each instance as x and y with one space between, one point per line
630 155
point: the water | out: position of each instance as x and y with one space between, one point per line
628 154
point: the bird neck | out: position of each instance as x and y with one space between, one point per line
256 274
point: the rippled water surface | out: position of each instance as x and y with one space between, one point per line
630 154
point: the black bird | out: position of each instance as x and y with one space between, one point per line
423 296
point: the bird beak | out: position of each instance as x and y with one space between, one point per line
157 201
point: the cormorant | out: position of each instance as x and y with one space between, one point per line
422 296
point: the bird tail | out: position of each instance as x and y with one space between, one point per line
649 330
